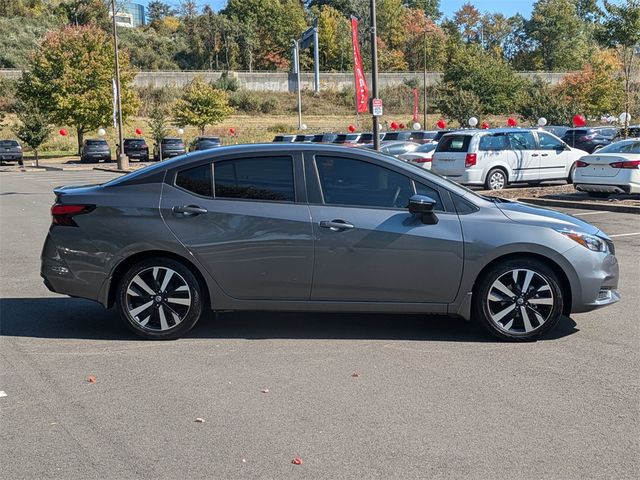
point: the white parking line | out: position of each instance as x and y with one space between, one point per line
589 213
624 234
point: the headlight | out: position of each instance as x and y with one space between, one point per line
593 243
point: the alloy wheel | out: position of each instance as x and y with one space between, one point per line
520 301
158 298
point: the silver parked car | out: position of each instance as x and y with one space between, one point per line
319 227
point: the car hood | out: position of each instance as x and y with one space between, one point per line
544 217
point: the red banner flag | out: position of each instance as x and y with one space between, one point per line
415 104
362 91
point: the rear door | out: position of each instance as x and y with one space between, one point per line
495 149
250 227
369 248
450 155
555 159
527 160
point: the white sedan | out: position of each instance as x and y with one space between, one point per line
612 169
421 156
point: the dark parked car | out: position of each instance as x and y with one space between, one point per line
283 138
423 136
320 228
324 137
633 132
11 150
171 147
587 139
303 138
557 130
367 137
204 143
403 135
343 138
136 149
94 150
395 148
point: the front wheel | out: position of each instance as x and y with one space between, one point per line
496 179
159 299
518 300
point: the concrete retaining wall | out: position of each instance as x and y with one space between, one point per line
283 81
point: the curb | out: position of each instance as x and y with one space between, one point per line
607 207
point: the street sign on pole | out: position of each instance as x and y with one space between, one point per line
376 107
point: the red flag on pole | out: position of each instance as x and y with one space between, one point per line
362 91
415 104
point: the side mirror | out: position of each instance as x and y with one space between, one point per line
423 206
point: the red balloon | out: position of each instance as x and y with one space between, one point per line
579 120
484 125
351 128
63 132
401 126
512 122
138 131
232 131
394 125
441 124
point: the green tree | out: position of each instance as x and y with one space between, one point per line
159 115
491 79
157 10
559 34
34 126
86 12
70 78
334 39
391 16
621 30
459 105
542 100
431 8
468 20
202 104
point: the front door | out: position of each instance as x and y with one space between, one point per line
554 157
246 228
369 248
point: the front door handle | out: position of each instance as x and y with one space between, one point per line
545 154
189 210
336 225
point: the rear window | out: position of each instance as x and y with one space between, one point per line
134 141
96 142
622 147
397 135
8 143
570 133
172 141
497 141
454 143
422 135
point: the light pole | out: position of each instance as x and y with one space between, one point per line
424 82
123 161
296 69
374 73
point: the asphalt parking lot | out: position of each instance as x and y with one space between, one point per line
354 396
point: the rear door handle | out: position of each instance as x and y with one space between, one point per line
336 225
545 154
189 210
534 154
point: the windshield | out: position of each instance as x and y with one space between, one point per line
8 143
626 146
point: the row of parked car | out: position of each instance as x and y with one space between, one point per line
95 150
494 158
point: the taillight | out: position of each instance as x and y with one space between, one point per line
470 160
421 160
633 164
63 214
580 164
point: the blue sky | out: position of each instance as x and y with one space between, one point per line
507 7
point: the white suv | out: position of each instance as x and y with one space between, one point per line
495 158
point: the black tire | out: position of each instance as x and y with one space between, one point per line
493 174
152 329
572 172
598 194
488 305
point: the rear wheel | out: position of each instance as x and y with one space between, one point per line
496 179
572 172
518 300
159 299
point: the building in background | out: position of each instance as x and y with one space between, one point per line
129 14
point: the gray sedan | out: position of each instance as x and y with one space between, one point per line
319 228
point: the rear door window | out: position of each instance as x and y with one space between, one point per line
454 143
521 140
268 178
196 180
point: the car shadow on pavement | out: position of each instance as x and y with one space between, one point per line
62 317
